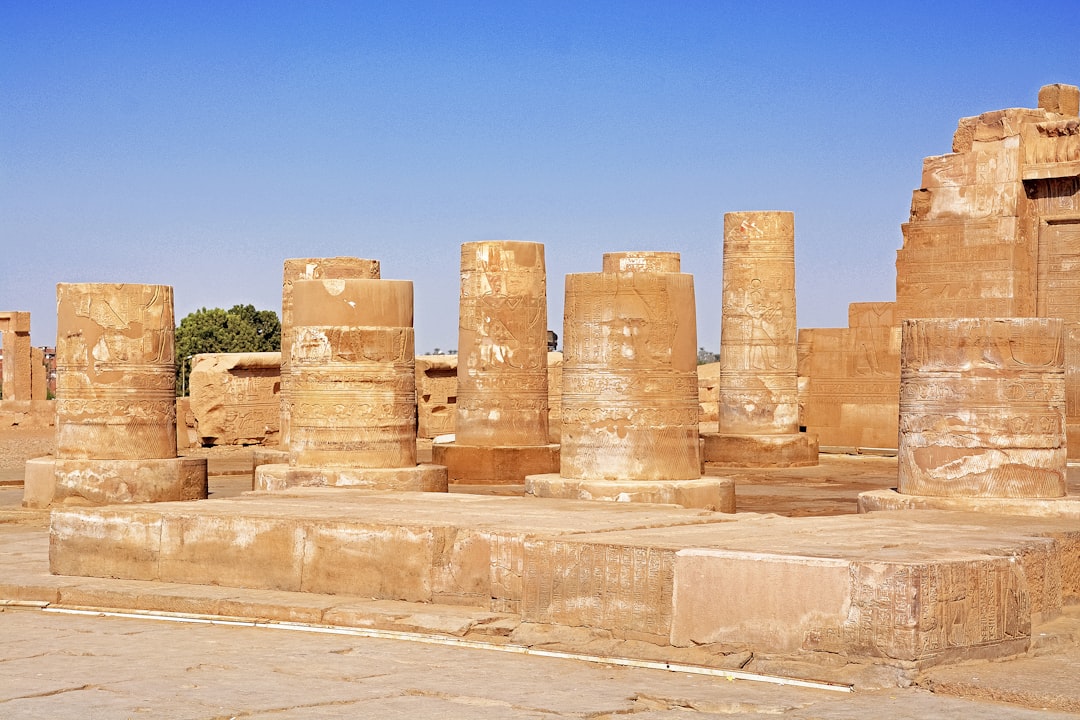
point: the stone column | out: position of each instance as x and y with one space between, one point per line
501 428
16 380
982 408
630 400
116 399
758 412
352 390
330 268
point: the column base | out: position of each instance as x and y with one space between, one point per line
51 481
709 493
268 456
421 478
761 451
496 465
1061 507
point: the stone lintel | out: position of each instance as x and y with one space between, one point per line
421 478
761 451
1060 507
494 465
709 493
107 482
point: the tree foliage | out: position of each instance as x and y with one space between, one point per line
242 328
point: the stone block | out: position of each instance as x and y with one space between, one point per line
436 395
507 465
235 397
1060 99
39 482
761 451
419 478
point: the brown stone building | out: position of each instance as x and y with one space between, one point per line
994 231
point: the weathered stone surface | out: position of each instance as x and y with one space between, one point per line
353 398
16 380
1060 98
329 268
436 395
235 397
555 365
707 493
982 408
115 372
708 392
502 391
420 478
105 482
642 261
748 451
494 465
630 408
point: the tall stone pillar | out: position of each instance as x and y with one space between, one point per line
352 390
501 429
758 409
116 399
630 399
329 268
16 380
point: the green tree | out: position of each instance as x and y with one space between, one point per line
242 328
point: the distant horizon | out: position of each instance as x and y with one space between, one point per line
200 145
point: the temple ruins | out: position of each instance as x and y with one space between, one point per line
968 380
501 428
235 398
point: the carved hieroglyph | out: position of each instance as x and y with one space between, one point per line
330 268
642 261
758 354
115 371
630 405
235 397
982 408
353 393
502 393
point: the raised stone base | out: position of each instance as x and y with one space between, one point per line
500 465
421 478
50 481
761 451
710 493
1063 507
906 589
268 456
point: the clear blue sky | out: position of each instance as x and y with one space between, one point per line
199 144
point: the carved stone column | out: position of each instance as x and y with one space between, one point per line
630 398
116 400
982 408
329 268
501 429
352 389
759 387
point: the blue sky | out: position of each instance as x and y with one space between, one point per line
199 144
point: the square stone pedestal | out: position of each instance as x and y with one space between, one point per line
1062 507
761 451
709 493
268 456
498 465
50 481
421 478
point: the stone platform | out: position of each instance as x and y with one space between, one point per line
907 590
887 499
708 493
420 478
760 451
